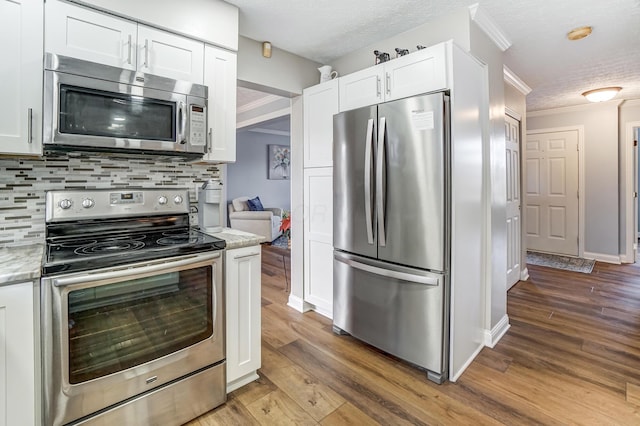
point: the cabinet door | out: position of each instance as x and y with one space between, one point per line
318 239
17 355
419 72
243 315
83 33
320 103
220 76
361 88
21 82
169 55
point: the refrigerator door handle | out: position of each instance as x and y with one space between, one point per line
367 181
389 273
380 189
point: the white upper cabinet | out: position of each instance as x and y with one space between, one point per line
418 72
220 74
169 55
87 34
83 33
320 103
21 82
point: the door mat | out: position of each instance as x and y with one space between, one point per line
575 264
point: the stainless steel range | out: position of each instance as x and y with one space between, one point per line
132 310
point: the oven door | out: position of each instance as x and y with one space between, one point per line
113 334
82 113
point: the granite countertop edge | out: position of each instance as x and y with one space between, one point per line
20 264
237 239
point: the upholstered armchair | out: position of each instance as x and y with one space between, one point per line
265 222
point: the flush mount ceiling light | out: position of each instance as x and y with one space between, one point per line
579 33
601 95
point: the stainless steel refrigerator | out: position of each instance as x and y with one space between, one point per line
391 228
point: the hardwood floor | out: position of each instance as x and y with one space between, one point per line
571 356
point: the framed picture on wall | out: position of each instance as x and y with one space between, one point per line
279 157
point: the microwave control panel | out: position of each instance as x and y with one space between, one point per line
197 126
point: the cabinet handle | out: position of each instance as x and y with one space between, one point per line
146 53
388 83
210 138
129 51
182 114
246 255
30 126
378 86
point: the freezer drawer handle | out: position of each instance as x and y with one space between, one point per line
419 279
380 189
367 182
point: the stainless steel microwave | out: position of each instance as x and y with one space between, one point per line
94 107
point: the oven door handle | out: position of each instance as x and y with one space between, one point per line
193 261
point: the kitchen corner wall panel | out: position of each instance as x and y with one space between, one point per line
318 239
220 75
23 183
21 34
17 355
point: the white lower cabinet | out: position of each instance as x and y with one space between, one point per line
243 269
17 355
318 239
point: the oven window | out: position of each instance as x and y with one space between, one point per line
117 326
98 113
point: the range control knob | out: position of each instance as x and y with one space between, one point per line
87 203
65 204
178 199
162 200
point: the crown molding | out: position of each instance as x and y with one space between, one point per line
511 78
258 103
575 108
489 26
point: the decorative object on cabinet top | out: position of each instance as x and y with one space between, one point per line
401 52
381 57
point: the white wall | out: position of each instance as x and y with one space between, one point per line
283 74
248 175
453 26
602 216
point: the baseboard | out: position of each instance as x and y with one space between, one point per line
298 304
524 274
493 336
241 381
466 364
324 313
607 258
625 259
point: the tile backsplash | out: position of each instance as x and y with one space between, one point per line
23 183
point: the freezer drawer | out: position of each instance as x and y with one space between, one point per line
396 309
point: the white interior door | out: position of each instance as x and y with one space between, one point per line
552 192
512 136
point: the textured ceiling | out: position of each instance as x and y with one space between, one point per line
557 70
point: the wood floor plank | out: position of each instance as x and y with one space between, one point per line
277 408
316 398
347 415
571 356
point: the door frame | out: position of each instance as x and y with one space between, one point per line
524 272
581 177
631 220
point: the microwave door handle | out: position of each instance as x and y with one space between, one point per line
182 114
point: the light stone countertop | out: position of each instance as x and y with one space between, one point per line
20 264
238 239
